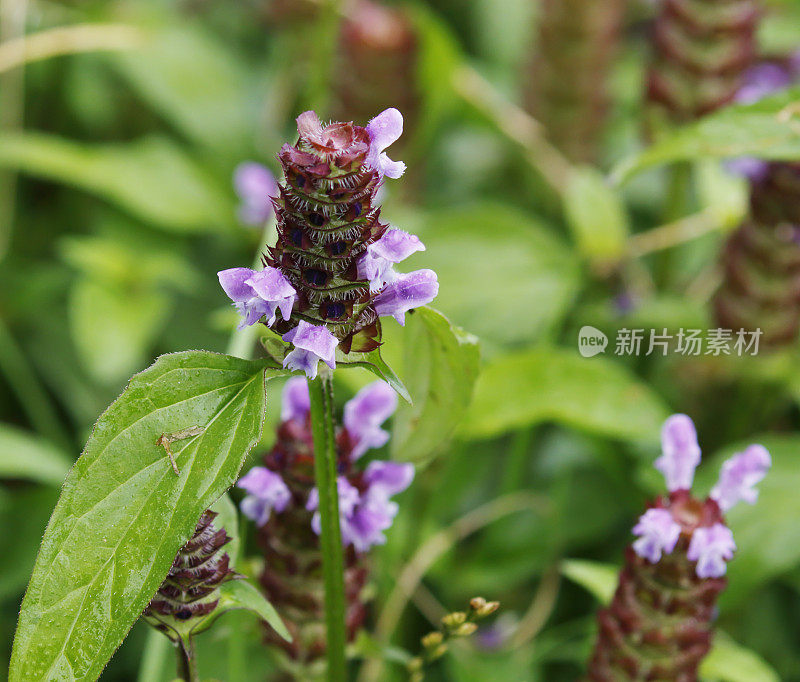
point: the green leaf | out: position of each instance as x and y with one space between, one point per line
27 456
151 178
596 215
768 129
123 513
195 83
113 327
725 195
240 594
374 362
766 534
730 662
440 366
549 384
598 578
503 276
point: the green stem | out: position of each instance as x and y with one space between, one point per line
187 664
321 390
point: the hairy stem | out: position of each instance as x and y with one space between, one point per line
187 664
321 390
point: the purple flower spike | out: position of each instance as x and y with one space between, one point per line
711 547
407 291
255 185
266 491
364 414
311 344
295 401
739 475
256 294
383 130
389 478
376 263
681 453
658 533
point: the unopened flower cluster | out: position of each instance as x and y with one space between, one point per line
331 275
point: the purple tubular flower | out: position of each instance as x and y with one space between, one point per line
295 401
711 547
739 475
258 293
681 452
376 265
255 185
311 344
364 517
658 533
266 491
407 291
389 478
364 414
385 129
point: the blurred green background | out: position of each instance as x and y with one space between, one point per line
121 124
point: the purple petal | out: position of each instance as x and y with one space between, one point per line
255 185
311 344
266 491
364 414
383 130
748 167
409 290
296 402
762 80
681 453
711 548
272 286
234 282
389 478
658 534
393 247
739 476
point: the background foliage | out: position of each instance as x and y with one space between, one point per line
117 210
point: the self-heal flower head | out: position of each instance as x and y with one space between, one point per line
681 452
312 343
408 290
658 534
364 414
377 263
711 547
266 491
258 293
295 401
255 185
385 129
739 475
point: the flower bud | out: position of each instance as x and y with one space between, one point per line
465 630
453 620
432 639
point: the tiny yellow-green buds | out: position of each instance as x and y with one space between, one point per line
415 665
453 620
438 652
466 630
432 639
483 608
